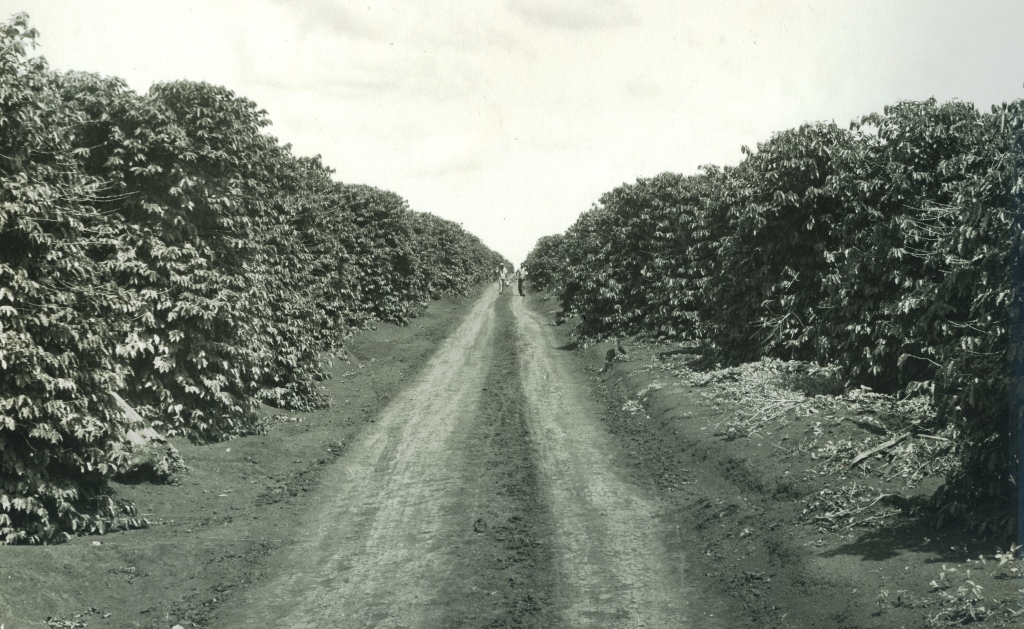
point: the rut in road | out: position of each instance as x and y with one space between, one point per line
374 553
614 567
484 495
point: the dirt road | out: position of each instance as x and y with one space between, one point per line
473 474
487 494
615 570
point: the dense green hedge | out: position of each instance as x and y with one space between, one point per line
162 246
884 249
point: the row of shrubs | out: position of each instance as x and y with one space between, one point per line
163 247
891 249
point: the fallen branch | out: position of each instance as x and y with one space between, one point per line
873 518
879 448
935 437
845 513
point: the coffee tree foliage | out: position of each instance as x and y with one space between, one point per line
59 316
886 249
448 259
778 222
622 264
163 247
544 263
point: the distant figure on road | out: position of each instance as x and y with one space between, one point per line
502 279
520 278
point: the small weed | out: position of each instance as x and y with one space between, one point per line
638 404
633 407
75 622
961 602
129 573
903 598
1010 563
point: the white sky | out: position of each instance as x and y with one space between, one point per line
513 117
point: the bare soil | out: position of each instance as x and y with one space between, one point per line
617 560
226 524
772 515
478 469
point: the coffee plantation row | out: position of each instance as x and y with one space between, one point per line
163 248
891 250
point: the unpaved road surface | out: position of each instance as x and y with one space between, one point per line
615 570
486 495
473 473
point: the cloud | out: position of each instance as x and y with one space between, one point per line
328 86
450 162
574 15
328 16
642 88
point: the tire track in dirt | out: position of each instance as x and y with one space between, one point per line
614 566
379 549
503 570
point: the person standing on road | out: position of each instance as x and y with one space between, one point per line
502 279
520 278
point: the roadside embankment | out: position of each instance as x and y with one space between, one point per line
221 528
803 503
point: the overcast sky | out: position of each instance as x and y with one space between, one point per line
513 117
